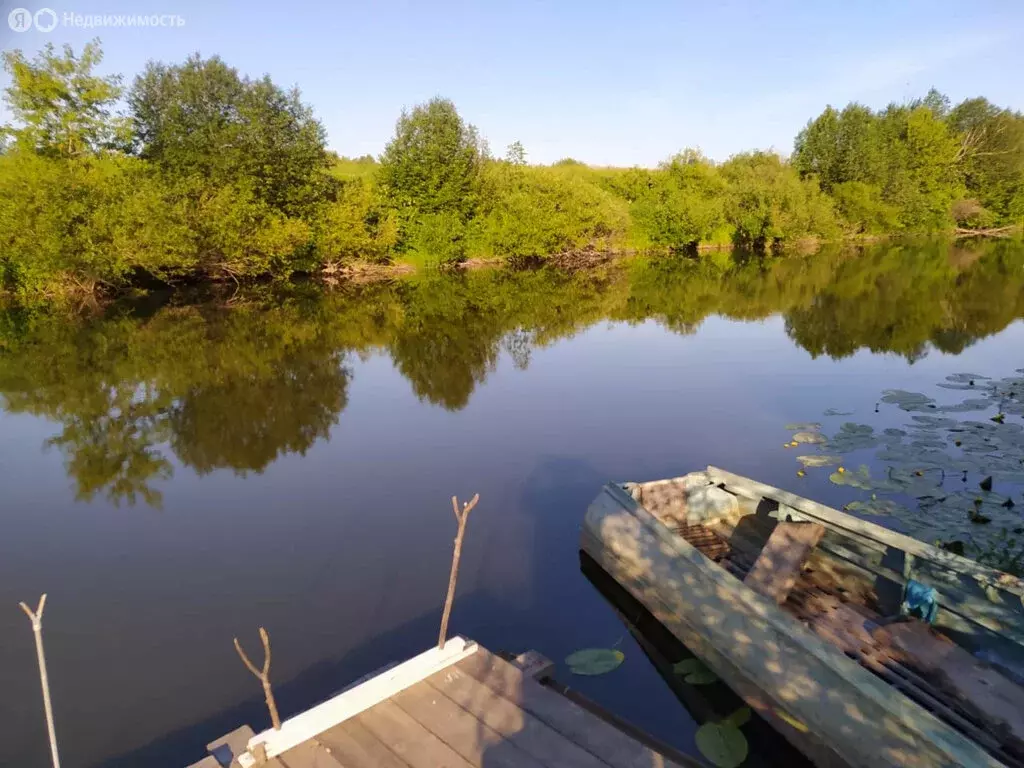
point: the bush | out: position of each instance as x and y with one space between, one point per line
862 208
354 226
682 204
437 238
768 203
86 223
534 211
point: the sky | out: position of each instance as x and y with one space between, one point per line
607 83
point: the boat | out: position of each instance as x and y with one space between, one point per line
861 645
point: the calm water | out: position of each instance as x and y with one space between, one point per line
175 474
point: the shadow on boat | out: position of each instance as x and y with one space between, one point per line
705 703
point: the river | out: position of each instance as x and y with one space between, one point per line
179 470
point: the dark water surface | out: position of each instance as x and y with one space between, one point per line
175 474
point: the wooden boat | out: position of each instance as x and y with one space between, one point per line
797 607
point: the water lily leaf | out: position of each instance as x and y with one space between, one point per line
908 401
859 479
819 460
723 745
809 437
853 437
810 426
972 404
885 507
594 661
739 718
834 412
966 378
935 422
695 672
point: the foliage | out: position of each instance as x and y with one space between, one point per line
202 118
683 203
215 175
533 211
768 203
355 225
64 109
432 166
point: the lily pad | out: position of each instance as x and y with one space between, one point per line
908 401
695 672
822 460
810 426
722 744
859 479
885 507
739 718
594 661
835 412
815 438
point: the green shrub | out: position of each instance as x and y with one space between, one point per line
682 204
437 239
536 211
354 226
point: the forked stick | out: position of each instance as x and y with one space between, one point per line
263 675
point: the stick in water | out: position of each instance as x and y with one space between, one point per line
461 518
37 629
263 675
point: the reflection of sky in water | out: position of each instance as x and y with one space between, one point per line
342 553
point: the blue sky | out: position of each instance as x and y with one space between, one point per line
605 82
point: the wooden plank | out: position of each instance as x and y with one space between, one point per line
351 702
776 569
461 730
356 747
413 743
309 754
833 518
993 612
534 664
520 727
857 715
229 748
980 688
574 723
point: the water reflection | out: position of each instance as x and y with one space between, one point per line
211 386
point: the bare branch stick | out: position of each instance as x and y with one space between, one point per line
263 675
461 518
37 629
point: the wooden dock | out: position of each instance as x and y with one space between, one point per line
460 707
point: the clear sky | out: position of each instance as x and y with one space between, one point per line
605 82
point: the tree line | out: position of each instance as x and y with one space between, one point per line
204 173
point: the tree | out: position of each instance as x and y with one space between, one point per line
516 154
64 109
202 118
433 163
991 153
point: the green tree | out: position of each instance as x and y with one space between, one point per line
202 118
991 153
769 204
64 110
433 164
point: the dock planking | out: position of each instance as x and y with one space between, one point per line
481 712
